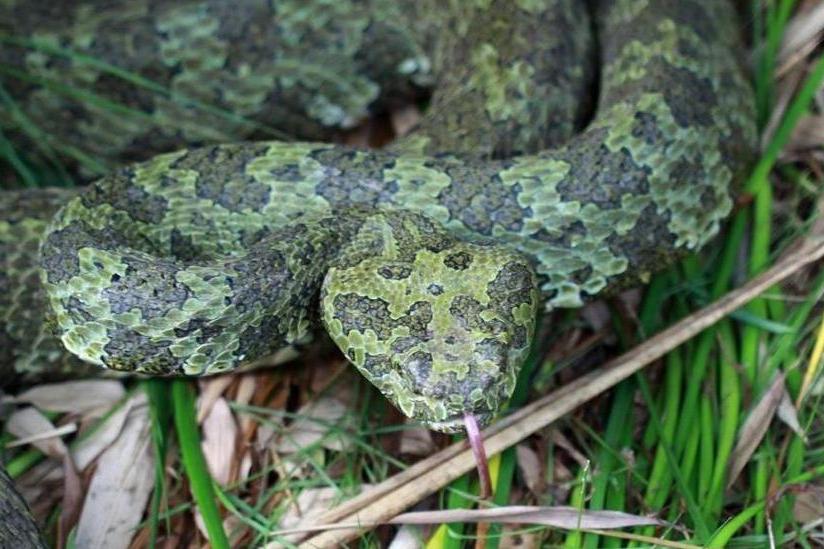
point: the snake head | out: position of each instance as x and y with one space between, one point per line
441 332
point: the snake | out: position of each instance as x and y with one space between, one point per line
568 149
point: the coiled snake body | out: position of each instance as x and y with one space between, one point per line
427 261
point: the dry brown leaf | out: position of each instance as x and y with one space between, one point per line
360 136
219 438
120 487
245 467
30 426
755 427
245 392
529 466
808 134
557 437
88 448
306 506
72 500
789 415
336 378
210 390
230 524
317 421
79 397
416 441
41 487
308 502
405 119
265 434
808 505
568 518
47 472
804 28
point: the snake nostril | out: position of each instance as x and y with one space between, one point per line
435 289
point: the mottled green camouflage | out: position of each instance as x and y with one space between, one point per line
228 70
426 262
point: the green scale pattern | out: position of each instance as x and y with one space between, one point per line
426 262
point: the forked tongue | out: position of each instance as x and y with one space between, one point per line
476 443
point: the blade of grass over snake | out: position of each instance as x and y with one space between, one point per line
137 80
40 140
82 95
9 154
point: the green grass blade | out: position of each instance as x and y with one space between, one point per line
160 412
702 529
753 319
660 478
730 410
606 461
798 108
508 459
723 535
200 481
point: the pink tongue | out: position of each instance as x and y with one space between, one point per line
476 442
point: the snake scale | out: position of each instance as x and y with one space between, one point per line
426 261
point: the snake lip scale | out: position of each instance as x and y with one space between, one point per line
426 262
